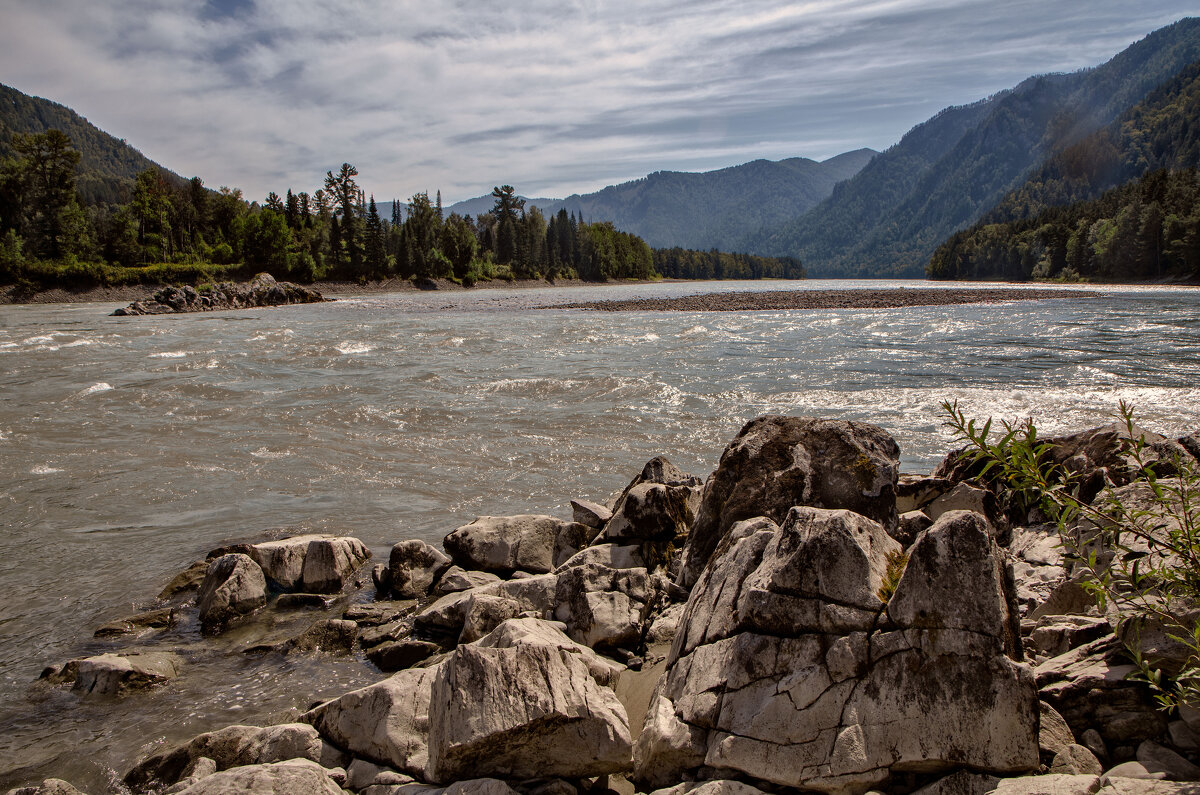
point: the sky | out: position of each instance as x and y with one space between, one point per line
551 96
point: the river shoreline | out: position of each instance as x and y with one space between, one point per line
590 624
739 301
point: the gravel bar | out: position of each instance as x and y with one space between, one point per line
823 299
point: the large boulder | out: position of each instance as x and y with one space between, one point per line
234 746
233 587
605 607
114 674
290 777
310 563
413 568
504 544
447 615
777 462
386 723
788 668
528 711
653 512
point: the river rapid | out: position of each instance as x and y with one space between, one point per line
129 447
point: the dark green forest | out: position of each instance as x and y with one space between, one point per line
170 229
1144 230
1119 205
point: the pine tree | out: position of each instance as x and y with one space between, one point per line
375 257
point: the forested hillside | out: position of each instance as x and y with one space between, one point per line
946 173
1162 132
1144 230
107 165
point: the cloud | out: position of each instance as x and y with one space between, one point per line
553 97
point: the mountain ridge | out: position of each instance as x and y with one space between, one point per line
945 173
676 208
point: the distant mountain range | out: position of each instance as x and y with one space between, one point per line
107 165
947 172
704 210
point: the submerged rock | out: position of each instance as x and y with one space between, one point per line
115 674
162 618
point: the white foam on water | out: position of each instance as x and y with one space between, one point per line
44 469
693 331
348 348
169 355
270 455
93 389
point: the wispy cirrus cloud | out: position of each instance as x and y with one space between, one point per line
553 97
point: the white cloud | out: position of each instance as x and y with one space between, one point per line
552 97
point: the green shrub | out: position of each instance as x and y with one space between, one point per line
1141 562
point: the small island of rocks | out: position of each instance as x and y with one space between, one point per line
260 291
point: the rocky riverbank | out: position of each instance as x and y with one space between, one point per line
260 291
824 299
805 619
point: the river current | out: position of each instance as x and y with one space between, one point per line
129 447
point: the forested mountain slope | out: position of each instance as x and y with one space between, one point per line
1069 220
947 172
107 165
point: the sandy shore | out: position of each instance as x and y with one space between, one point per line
824 299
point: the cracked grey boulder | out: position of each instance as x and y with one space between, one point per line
523 712
310 563
504 544
386 723
603 607
234 586
777 462
413 567
289 777
235 746
787 669
653 512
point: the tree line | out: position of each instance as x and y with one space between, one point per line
1147 229
170 228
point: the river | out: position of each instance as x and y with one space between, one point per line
131 446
